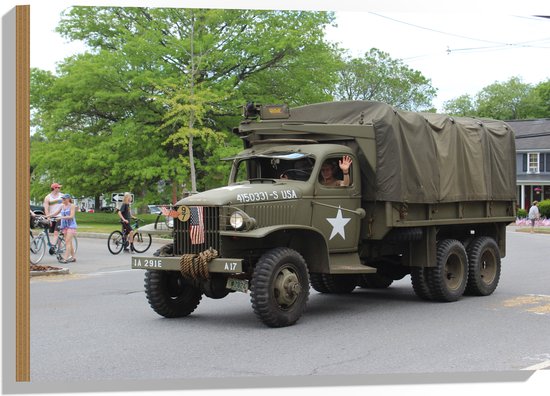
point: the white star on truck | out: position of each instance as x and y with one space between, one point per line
338 224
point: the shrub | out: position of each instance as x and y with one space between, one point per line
521 213
544 208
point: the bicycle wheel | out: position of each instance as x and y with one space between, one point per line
142 242
38 248
62 247
75 244
115 242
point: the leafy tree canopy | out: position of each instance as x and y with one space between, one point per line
508 100
124 115
379 77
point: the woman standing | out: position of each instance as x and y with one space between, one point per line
68 226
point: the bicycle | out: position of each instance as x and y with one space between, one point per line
39 242
118 240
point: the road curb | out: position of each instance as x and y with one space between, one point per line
61 271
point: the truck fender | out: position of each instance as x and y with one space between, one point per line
307 241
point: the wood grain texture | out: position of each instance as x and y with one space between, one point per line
22 332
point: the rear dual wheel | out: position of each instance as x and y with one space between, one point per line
483 266
141 242
446 281
474 270
375 281
115 242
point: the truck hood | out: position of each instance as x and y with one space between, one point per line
246 193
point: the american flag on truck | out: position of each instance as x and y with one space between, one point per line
196 225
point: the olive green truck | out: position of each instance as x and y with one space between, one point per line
427 195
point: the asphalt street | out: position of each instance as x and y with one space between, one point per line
96 324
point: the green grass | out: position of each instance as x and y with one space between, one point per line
537 230
107 222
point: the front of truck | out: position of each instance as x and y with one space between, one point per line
220 234
226 239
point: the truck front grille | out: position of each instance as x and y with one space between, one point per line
209 232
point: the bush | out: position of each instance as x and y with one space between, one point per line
521 213
544 208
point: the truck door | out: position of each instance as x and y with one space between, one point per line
334 207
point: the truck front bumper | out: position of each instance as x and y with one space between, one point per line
217 265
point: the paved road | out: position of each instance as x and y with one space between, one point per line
95 324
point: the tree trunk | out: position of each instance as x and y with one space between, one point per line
174 192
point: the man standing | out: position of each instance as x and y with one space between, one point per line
52 203
534 214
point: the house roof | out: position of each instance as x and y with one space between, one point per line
531 134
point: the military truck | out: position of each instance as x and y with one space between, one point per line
427 195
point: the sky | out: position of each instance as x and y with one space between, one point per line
459 50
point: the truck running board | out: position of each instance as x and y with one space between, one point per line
348 263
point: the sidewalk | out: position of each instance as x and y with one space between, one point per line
57 269
527 230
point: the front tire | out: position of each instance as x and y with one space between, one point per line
170 295
483 267
447 280
142 242
37 249
279 288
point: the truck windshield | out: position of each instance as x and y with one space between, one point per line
286 166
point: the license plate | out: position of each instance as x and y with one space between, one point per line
237 284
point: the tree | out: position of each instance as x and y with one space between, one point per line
129 112
377 76
463 106
509 100
542 96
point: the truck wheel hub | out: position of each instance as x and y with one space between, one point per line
287 287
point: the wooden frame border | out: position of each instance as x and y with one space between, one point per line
22 122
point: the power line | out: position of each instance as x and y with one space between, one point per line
499 45
436 31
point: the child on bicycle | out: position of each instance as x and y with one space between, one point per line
125 215
68 226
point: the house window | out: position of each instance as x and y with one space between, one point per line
533 162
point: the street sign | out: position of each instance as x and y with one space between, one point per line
118 197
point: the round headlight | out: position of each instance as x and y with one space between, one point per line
236 220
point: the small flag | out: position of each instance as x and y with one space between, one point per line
168 212
196 225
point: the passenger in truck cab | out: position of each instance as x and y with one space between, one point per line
328 175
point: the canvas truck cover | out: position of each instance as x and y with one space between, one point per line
427 157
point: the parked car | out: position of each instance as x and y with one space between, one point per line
153 209
38 209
